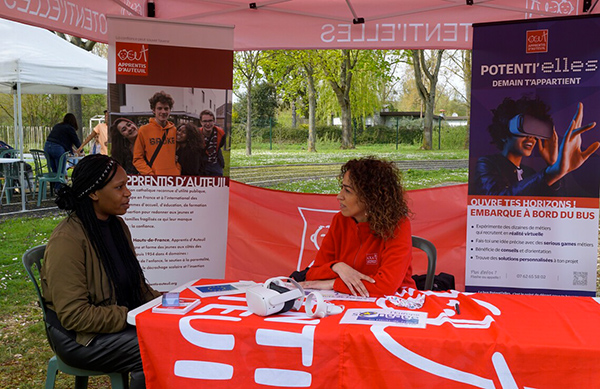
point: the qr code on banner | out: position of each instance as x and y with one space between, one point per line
580 278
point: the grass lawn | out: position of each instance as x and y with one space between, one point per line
331 152
412 179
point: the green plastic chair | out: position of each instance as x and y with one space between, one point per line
32 260
431 251
53 177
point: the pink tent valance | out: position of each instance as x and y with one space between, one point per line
303 24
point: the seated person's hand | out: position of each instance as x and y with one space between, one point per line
352 278
318 284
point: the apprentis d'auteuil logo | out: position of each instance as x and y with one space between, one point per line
132 59
537 41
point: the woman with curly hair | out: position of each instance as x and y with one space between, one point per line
190 148
90 275
368 249
123 134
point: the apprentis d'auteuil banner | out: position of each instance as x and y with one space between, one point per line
177 216
534 167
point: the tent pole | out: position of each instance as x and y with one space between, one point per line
22 149
15 117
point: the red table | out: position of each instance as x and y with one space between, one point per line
497 341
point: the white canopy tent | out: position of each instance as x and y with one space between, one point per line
36 61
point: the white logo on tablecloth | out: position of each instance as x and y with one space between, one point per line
208 370
503 372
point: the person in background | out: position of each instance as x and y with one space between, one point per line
368 249
214 140
155 147
100 137
190 143
62 138
90 275
123 133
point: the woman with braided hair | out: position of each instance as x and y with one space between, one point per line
90 275
368 249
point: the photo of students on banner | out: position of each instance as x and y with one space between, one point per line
122 136
195 136
517 127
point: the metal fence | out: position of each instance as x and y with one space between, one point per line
33 137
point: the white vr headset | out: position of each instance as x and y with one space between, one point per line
274 296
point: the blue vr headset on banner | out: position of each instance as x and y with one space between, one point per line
527 125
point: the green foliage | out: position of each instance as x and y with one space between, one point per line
264 105
47 110
453 138
409 132
92 105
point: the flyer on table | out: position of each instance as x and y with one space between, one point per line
534 167
169 109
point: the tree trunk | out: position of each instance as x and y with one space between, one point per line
293 108
346 123
342 92
428 123
467 70
312 108
427 72
74 107
249 119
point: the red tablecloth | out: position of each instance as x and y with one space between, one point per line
497 341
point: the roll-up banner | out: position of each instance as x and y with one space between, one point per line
169 110
534 174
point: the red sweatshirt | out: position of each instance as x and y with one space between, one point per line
388 262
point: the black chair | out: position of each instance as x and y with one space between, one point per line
12 176
39 161
430 250
32 260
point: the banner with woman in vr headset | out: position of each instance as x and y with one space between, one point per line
534 174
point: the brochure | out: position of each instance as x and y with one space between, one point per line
396 317
185 305
223 289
